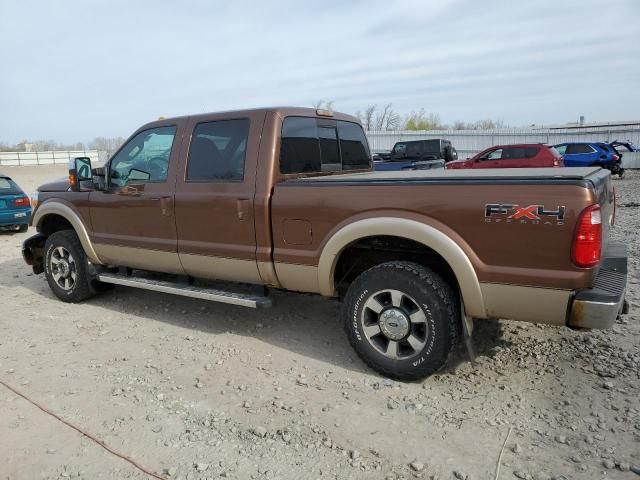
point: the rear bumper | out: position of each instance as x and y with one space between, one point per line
600 305
15 217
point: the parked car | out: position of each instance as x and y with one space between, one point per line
416 155
583 154
285 198
524 155
15 206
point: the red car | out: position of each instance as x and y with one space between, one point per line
523 155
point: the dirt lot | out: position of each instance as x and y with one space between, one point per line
197 390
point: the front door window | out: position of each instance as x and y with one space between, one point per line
145 158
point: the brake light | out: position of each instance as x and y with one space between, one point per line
615 158
587 239
555 162
22 202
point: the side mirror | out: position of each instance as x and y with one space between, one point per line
79 171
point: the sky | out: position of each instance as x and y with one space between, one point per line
73 70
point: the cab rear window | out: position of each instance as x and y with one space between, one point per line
313 145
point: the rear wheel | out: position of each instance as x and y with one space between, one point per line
402 319
66 267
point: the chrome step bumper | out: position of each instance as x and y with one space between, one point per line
600 305
186 290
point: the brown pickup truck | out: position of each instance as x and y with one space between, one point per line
285 198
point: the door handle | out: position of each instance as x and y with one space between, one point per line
165 204
243 208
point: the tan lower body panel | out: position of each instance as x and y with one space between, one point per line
201 266
154 260
529 304
299 278
221 268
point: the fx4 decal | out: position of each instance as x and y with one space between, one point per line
510 213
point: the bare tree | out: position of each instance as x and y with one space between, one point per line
323 105
367 119
108 145
387 119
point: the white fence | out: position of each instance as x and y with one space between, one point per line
466 142
470 142
46 158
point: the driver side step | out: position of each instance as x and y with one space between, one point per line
186 290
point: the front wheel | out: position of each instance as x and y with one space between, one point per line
402 319
66 267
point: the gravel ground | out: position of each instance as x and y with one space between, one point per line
196 390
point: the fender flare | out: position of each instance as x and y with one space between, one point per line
58 208
412 230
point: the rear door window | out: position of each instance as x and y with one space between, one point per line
579 148
561 149
311 145
217 151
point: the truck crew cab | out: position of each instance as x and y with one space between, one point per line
285 198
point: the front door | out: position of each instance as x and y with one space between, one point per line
215 197
133 220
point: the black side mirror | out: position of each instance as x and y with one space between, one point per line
79 171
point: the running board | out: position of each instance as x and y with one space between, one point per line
185 290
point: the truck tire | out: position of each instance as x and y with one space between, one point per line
402 319
66 267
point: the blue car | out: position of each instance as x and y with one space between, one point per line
585 154
15 207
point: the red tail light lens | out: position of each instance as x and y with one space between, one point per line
587 239
615 158
22 202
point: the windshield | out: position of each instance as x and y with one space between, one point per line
399 148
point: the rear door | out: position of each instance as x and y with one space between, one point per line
133 219
514 157
215 197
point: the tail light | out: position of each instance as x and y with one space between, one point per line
587 239
615 158
556 163
22 202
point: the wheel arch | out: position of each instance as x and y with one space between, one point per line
53 216
412 230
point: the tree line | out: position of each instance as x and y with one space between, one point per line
373 117
104 144
384 117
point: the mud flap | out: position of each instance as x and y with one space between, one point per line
467 332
